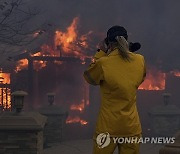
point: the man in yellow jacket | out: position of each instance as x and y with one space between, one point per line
119 73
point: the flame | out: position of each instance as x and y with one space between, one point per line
36 54
175 73
65 39
21 64
66 43
70 42
5 92
80 107
155 80
76 120
39 64
6 97
84 39
5 78
47 50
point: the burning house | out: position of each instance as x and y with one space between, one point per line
58 67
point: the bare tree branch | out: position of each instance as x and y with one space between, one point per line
14 18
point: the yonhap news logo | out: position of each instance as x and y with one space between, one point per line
104 139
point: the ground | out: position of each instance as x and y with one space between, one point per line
85 147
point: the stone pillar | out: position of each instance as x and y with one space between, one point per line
166 118
53 132
21 133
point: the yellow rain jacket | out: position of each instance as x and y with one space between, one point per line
118 80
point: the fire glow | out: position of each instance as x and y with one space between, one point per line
78 107
21 64
76 120
5 77
67 43
155 80
70 42
5 96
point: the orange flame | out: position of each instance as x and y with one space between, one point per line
21 64
47 50
155 80
5 98
65 39
36 54
76 120
68 43
39 65
5 92
80 107
83 39
5 78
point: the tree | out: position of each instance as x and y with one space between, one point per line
16 30
14 17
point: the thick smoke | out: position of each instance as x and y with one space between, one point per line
153 23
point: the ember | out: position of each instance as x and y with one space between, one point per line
76 120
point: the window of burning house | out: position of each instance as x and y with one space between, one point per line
5 91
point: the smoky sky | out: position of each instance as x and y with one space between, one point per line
155 24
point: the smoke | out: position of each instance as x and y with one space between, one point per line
154 24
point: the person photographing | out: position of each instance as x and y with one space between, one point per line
119 72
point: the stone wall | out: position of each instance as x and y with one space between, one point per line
21 142
21 133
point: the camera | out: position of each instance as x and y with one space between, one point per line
133 47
